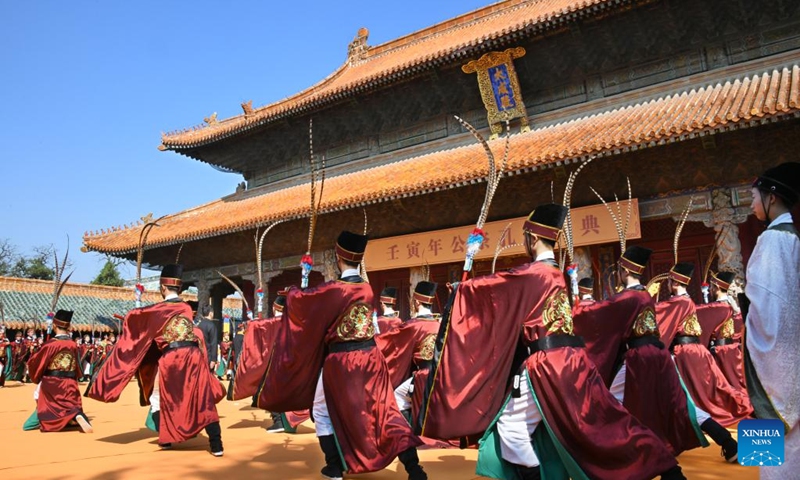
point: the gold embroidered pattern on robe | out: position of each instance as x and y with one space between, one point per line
356 323
691 326
645 323
62 361
179 329
426 347
557 314
727 329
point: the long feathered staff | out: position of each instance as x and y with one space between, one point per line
139 288
307 261
679 229
567 202
704 287
363 260
572 267
178 255
475 238
500 247
241 294
654 284
616 217
58 286
259 239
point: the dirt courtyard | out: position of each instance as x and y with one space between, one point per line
122 448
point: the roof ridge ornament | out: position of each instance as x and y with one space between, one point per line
358 49
247 107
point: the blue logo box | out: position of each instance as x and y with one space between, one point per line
761 443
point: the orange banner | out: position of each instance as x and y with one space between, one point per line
591 225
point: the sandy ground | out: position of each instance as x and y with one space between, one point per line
122 448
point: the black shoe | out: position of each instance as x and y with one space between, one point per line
723 438
216 448
165 446
331 472
410 461
214 433
277 424
730 451
529 473
673 473
83 423
333 469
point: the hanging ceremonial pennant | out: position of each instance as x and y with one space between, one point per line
500 90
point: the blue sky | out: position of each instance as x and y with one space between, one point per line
88 86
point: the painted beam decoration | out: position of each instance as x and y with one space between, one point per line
499 87
592 225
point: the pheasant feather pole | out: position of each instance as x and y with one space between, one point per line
476 237
259 240
317 176
138 289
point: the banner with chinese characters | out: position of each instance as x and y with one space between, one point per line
591 225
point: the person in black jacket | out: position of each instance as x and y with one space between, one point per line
206 322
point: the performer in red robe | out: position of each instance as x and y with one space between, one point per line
330 328
5 356
390 318
586 291
583 430
55 368
712 315
19 357
257 345
161 346
225 349
408 350
727 349
646 382
677 321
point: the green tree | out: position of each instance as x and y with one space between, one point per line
109 275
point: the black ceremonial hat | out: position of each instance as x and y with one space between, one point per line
389 295
586 286
171 275
425 292
723 279
682 272
62 318
350 246
635 259
546 220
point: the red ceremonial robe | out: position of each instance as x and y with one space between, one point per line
5 359
59 399
728 351
703 379
370 430
225 349
19 357
604 325
259 337
710 316
488 317
188 391
653 391
408 350
387 323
